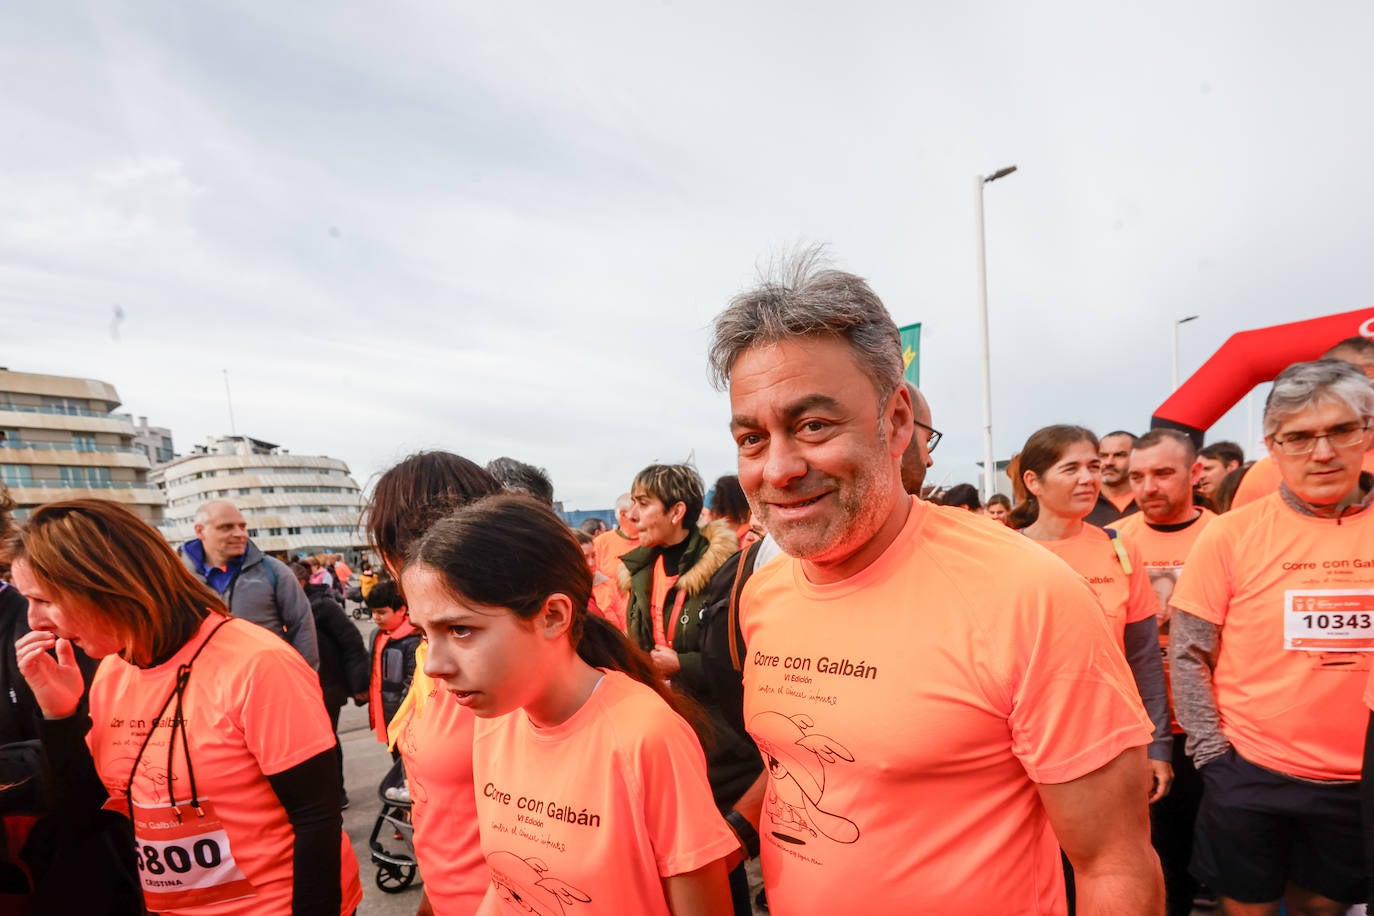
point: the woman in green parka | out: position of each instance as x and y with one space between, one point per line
666 578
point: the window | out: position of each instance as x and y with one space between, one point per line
83 442
293 531
16 475
84 477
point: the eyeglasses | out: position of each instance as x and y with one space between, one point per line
1343 436
934 438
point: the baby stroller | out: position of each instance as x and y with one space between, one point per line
392 850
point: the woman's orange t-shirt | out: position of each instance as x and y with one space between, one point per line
1126 597
253 709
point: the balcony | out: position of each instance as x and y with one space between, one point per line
82 485
64 411
68 446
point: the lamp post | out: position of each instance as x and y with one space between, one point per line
1175 332
989 465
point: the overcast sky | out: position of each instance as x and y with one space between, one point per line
505 228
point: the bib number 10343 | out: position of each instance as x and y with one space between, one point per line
1329 620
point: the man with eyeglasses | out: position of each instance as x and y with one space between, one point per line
916 459
1272 626
1263 476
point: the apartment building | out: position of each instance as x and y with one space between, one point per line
61 439
293 504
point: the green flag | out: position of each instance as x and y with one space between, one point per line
911 352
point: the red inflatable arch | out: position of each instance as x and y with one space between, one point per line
1250 358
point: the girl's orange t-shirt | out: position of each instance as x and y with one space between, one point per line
597 811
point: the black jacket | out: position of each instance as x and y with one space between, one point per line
344 663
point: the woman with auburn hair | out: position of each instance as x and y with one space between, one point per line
430 729
209 732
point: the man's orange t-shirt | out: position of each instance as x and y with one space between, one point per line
1264 478
253 709
597 811
1164 553
608 547
1287 686
906 714
436 748
1126 598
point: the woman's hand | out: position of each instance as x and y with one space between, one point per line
56 683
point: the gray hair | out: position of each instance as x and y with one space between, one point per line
1302 385
519 477
203 511
799 299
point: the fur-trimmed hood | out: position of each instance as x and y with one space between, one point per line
721 544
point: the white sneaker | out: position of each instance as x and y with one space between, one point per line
398 794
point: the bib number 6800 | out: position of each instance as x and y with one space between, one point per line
158 860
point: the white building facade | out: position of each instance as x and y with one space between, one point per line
294 504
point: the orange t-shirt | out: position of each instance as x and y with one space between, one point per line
1264 478
1125 598
252 709
608 547
595 812
906 713
1163 553
436 747
1288 695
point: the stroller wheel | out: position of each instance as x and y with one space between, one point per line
395 878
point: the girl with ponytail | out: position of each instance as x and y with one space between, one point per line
591 785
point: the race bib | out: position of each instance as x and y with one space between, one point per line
1329 620
184 859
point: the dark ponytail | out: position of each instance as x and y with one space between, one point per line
511 551
1024 514
1044 447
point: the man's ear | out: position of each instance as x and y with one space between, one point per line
900 420
1195 472
556 616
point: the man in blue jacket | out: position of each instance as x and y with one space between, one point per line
254 586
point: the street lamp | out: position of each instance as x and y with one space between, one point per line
988 463
1175 332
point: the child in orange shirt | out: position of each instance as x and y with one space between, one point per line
591 787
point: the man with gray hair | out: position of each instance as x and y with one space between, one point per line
254 586
938 703
608 547
519 477
1272 626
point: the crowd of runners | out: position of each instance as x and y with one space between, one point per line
1112 699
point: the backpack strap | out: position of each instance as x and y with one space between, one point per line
1120 547
742 574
